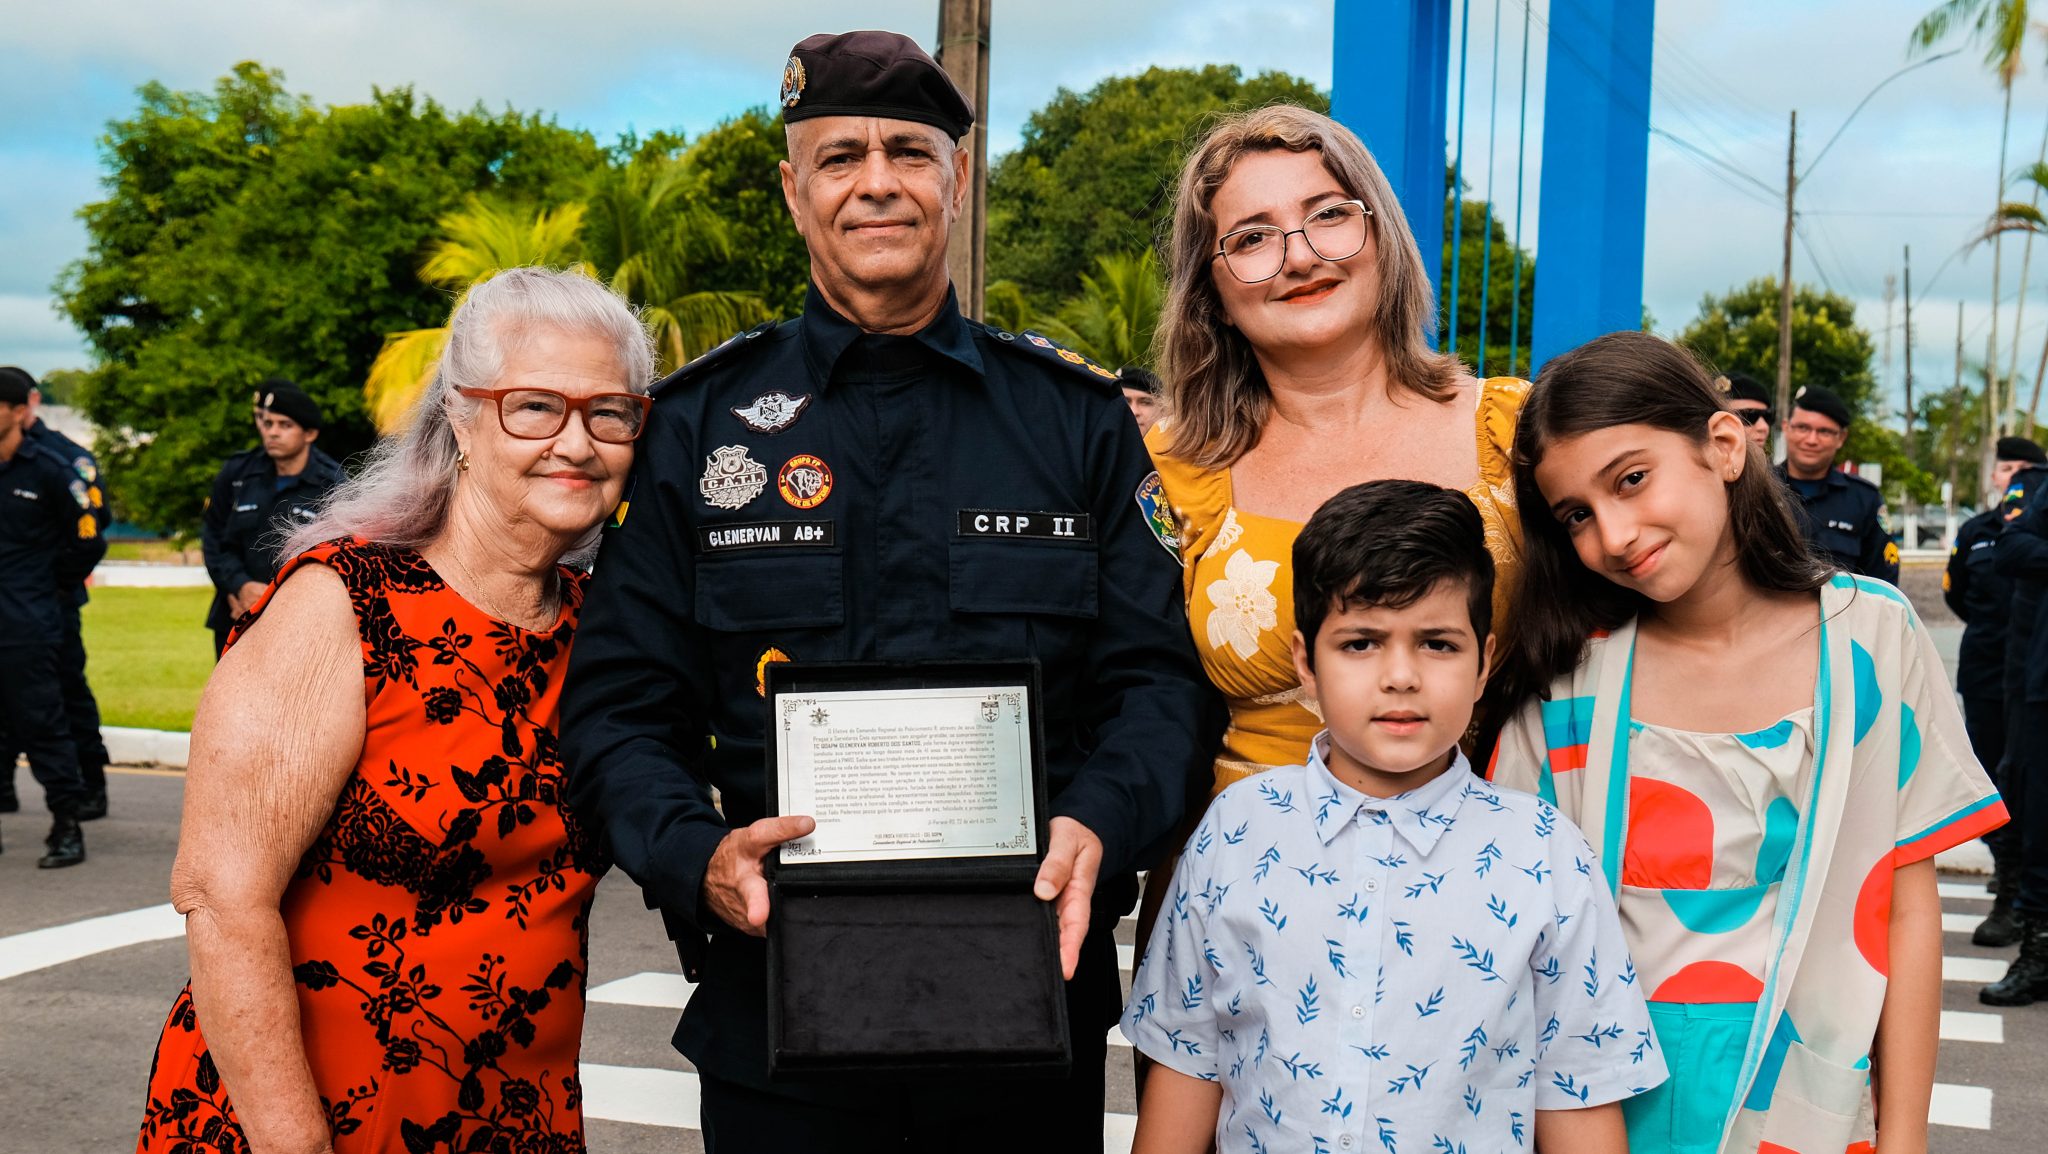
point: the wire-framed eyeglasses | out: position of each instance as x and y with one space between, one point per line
1258 252
537 414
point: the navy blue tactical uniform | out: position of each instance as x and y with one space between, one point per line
811 492
248 517
1843 519
2022 558
1977 594
49 542
81 708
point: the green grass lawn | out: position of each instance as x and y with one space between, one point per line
148 654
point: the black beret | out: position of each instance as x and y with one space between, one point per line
871 74
288 400
2021 449
1815 399
1743 387
1138 377
15 385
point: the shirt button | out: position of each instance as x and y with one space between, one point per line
1372 885
1358 1011
1345 1141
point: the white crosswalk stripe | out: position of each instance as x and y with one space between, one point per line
669 1098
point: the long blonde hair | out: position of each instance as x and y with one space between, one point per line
1215 392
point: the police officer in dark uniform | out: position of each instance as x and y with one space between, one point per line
1976 593
1751 401
258 496
81 708
1843 516
49 542
880 479
2022 559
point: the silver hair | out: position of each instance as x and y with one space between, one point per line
407 482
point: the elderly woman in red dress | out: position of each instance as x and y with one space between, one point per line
385 897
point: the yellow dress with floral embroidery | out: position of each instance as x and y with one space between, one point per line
1238 583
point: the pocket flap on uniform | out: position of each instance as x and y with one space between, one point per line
748 592
1020 576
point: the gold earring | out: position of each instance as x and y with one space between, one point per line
462 460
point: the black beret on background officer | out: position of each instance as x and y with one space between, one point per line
1751 401
258 495
880 479
1843 516
1975 592
49 542
81 709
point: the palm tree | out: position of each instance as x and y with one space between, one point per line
651 227
2027 217
2001 26
476 240
1117 312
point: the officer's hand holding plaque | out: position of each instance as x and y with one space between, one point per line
904 931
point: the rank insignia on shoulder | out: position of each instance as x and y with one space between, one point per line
87 527
769 656
1891 555
732 478
1151 497
772 412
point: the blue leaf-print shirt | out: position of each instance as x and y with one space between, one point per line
1415 973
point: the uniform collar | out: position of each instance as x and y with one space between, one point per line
1420 815
1836 478
827 335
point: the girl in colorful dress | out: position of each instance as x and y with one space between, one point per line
1765 754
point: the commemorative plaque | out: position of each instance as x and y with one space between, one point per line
904 934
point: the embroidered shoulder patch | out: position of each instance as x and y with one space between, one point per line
1151 497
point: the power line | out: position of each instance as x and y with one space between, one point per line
1768 194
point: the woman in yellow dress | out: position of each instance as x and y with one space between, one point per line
1296 362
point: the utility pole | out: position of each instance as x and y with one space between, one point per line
1909 343
963 53
1891 292
1785 289
1955 424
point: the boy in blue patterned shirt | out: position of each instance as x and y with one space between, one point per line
1377 951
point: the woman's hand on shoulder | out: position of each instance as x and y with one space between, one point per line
278 731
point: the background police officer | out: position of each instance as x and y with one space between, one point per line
1140 387
1752 402
2022 558
49 541
257 496
1843 516
1982 598
81 708
934 490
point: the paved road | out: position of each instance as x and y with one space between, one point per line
89 962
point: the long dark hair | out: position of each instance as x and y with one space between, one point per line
1626 378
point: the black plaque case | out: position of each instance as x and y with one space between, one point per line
947 965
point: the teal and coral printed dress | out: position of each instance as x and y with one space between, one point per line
1754 871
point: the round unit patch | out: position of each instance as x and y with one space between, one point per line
805 481
769 656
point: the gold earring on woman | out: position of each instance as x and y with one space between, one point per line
462 460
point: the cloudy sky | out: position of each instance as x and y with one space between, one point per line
1918 167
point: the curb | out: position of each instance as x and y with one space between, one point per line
164 747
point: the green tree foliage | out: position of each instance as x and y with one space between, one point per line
737 176
1094 173
246 232
61 386
1737 332
1115 315
1950 438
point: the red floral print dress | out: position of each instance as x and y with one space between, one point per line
438 924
